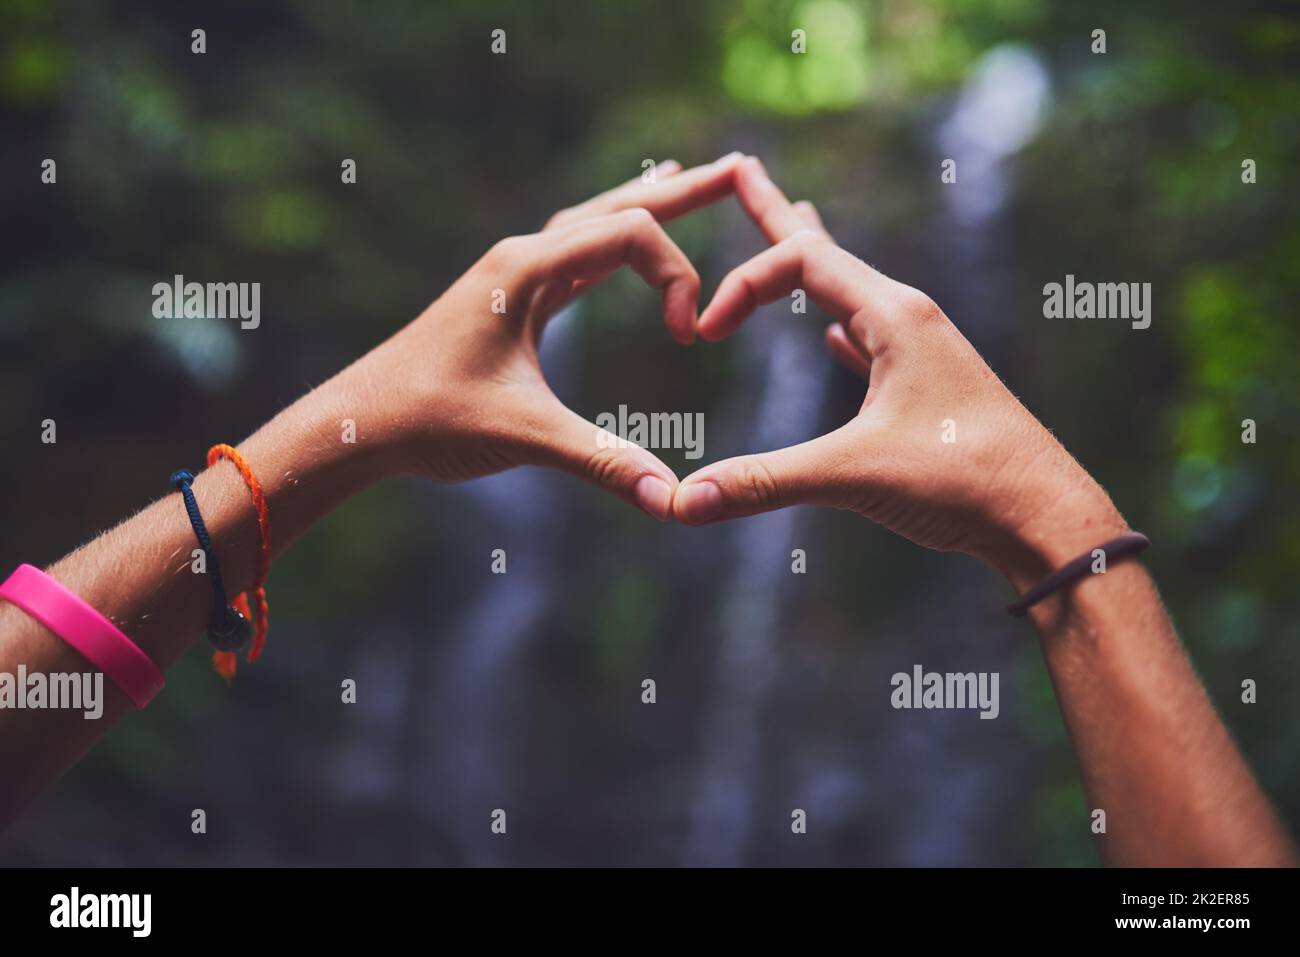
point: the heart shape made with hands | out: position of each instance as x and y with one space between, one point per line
769 276
888 463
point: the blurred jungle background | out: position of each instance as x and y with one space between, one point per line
523 691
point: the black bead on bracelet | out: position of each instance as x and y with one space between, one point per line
1122 546
228 630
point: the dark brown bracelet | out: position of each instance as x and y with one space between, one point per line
1122 546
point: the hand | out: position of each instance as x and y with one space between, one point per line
459 392
1000 488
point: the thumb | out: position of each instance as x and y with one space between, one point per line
571 443
812 473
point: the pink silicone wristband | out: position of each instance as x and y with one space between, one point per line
64 613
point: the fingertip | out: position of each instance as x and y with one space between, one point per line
668 167
727 168
808 213
845 352
654 496
681 310
726 311
698 502
710 328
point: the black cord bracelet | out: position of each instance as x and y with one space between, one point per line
1122 546
228 630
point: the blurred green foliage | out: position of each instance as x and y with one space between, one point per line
228 164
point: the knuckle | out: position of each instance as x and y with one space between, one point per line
603 466
738 283
916 307
559 218
638 217
757 482
508 251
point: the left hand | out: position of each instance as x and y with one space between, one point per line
459 392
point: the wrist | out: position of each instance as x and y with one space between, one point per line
313 456
386 410
152 594
1054 526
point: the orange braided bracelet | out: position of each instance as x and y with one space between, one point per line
224 661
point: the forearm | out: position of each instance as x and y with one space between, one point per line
942 453
458 393
1153 753
139 576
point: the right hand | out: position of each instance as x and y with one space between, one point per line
1001 488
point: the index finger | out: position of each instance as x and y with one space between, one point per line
675 195
589 251
845 286
767 206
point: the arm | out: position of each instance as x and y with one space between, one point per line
138 575
456 394
1153 753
